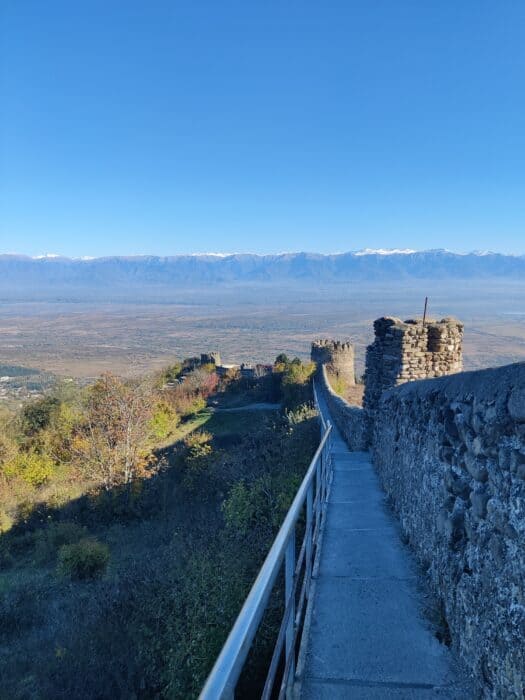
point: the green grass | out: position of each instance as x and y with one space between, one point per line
237 423
191 424
220 424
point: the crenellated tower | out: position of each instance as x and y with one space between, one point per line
337 355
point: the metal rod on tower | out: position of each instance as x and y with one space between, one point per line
425 311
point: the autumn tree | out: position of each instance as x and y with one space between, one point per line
115 445
190 396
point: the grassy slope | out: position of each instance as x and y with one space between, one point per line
219 424
45 601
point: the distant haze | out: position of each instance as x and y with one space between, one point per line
153 277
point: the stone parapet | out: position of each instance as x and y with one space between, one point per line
351 420
450 453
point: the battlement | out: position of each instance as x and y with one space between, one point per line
404 351
337 355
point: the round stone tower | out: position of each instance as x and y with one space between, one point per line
337 355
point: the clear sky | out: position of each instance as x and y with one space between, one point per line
261 125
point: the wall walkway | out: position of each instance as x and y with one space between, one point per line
368 636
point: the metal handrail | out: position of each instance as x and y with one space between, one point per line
310 497
316 401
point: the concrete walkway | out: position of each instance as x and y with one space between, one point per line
249 407
367 634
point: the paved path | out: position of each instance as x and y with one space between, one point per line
249 407
368 637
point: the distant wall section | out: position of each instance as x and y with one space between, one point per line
338 356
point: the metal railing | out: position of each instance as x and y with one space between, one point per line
309 501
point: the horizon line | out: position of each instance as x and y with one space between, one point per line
358 253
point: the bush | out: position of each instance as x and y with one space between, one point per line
187 404
34 468
300 414
246 507
87 559
54 536
164 421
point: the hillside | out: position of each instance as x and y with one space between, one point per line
86 611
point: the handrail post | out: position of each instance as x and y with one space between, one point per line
289 600
309 535
318 493
323 476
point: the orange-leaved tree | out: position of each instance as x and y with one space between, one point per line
116 443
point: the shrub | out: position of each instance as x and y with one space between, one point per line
50 539
187 405
300 414
34 468
87 559
164 421
246 506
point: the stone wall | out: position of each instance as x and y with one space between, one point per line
451 455
211 358
338 356
349 419
410 350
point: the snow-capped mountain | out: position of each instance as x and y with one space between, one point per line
48 272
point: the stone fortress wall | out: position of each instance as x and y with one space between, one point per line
349 419
338 356
450 452
404 351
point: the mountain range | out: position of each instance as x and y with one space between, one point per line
53 273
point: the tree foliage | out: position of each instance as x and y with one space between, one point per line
114 446
37 415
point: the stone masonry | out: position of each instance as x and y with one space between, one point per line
337 356
349 419
210 358
404 351
450 453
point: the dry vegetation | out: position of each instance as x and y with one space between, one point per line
88 494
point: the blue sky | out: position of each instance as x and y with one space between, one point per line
263 126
